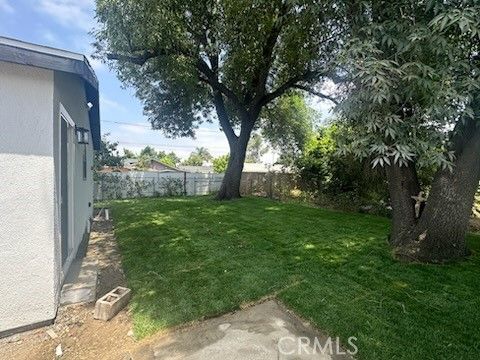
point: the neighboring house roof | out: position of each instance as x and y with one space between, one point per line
20 52
130 162
112 169
168 167
262 168
247 168
196 169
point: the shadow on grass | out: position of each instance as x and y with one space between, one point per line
187 259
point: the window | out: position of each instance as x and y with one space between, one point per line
84 164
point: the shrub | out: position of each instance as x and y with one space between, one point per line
344 180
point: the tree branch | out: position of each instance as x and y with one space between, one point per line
139 59
202 66
316 93
223 117
212 80
260 79
145 55
306 76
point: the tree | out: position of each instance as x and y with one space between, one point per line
193 160
203 154
325 172
255 149
288 125
188 59
149 152
129 153
143 162
413 101
198 157
170 159
108 154
146 155
220 164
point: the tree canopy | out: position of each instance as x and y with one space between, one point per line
108 155
287 124
193 61
148 153
220 164
256 149
198 157
413 71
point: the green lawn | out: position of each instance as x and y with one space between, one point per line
189 258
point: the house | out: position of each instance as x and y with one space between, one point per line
247 168
49 128
263 168
113 169
155 165
130 163
195 169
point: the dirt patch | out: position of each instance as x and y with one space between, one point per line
81 336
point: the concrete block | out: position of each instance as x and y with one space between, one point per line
111 303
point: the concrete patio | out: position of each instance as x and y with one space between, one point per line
266 331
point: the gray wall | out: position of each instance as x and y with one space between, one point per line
69 90
28 281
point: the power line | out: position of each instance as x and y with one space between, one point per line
150 128
127 123
167 146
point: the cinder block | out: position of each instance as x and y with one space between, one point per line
111 303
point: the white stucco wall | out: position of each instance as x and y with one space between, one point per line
27 256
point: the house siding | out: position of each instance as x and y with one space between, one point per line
27 253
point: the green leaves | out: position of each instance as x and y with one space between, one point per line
177 54
287 124
220 164
464 20
412 74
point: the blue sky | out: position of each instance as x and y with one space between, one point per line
65 24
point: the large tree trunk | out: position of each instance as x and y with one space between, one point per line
402 185
438 235
230 188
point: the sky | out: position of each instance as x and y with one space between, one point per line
65 24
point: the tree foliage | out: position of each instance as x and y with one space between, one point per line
412 72
198 157
170 159
220 164
108 155
129 153
255 149
148 153
288 125
324 171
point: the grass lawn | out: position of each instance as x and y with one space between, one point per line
189 258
